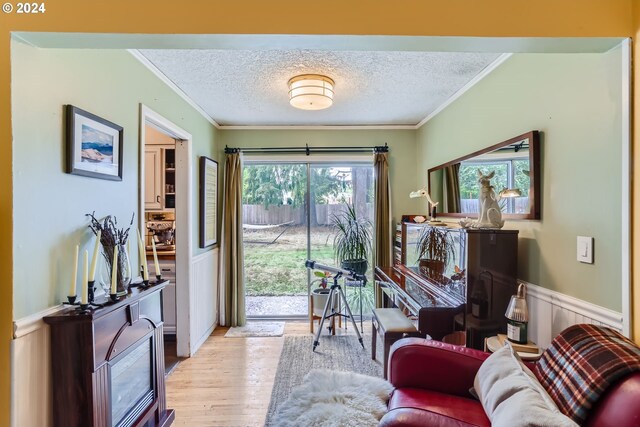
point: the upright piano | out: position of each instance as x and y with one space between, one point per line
472 292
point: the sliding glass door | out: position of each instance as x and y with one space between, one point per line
288 215
334 189
275 239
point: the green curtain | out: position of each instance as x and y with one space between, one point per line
383 246
452 188
231 252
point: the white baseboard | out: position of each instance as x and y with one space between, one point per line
551 312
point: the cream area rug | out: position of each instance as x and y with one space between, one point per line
335 353
334 398
256 329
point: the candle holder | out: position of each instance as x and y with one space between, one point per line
71 299
145 284
84 307
91 295
159 280
114 297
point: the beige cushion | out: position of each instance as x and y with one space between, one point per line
392 320
512 396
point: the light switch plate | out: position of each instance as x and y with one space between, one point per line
585 249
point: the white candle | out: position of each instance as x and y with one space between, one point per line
85 278
94 261
114 272
155 256
143 258
74 277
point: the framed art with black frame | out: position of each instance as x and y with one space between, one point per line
94 145
208 202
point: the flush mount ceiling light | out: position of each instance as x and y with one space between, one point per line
311 92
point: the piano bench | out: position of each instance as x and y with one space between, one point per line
392 325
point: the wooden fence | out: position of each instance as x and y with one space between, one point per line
259 215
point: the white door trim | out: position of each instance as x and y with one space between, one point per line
184 248
626 188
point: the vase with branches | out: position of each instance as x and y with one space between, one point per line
112 238
352 244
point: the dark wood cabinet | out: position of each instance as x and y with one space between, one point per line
470 293
108 364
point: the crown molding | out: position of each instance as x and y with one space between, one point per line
166 80
321 127
471 83
163 77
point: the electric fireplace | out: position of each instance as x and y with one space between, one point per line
108 364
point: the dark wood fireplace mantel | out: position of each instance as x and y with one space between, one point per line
109 363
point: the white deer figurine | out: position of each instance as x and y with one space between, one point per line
490 215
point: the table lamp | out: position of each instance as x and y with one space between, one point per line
432 205
517 316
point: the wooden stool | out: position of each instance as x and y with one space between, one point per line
392 324
313 317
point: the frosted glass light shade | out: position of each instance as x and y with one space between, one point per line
311 92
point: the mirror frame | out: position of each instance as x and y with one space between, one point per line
534 174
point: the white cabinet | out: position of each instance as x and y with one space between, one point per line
168 268
153 177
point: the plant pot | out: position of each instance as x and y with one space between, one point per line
433 265
359 266
319 296
432 268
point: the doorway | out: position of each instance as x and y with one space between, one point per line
165 198
288 214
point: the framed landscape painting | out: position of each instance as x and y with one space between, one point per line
94 145
208 202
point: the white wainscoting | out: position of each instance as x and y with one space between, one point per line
204 297
31 371
31 355
551 312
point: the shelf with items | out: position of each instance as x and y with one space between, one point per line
169 178
397 245
160 177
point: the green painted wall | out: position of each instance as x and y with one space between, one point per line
49 205
575 101
402 149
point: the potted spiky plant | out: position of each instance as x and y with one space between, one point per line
352 244
435 249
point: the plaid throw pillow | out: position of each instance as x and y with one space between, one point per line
581 363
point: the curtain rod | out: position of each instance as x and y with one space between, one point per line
309 150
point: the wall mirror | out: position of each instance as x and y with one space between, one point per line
516 164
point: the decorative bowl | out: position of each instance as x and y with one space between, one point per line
419 219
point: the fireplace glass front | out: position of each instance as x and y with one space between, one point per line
132 384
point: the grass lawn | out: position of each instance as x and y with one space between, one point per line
278 269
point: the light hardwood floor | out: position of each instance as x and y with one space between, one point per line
229 380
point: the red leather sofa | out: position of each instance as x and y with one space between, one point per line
432 381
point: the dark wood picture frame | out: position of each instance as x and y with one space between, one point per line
534 171
208 202
88 161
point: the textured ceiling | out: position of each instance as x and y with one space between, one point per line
249 87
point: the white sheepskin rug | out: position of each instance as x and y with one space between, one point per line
332 398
